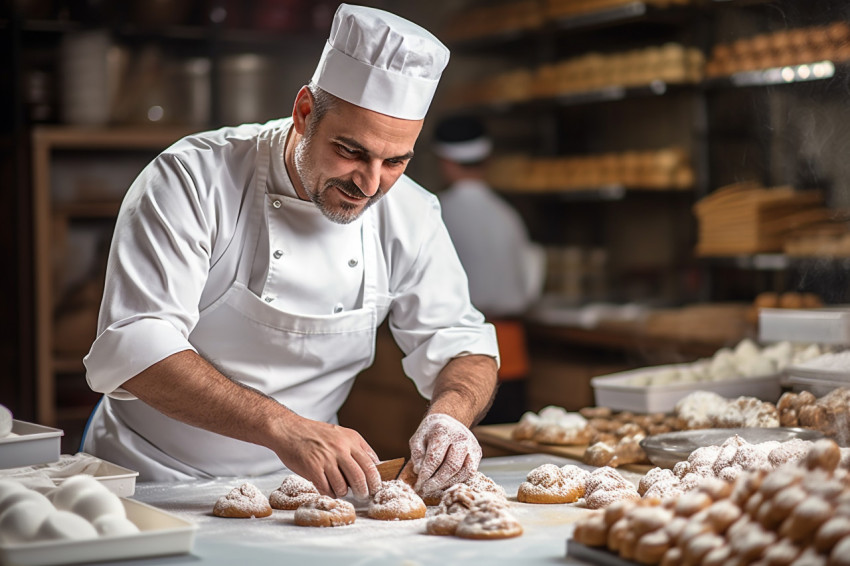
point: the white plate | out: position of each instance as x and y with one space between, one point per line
617 392
162 534
668 449
29 444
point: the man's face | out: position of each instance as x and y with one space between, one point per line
352 158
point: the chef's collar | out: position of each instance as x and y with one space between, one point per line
279 181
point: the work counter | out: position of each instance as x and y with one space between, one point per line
277 540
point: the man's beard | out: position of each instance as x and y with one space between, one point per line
342 213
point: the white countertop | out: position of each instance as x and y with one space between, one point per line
277 540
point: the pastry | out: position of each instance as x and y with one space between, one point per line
824 454
652 546
294 491
791 451
455 504
396 501
605 486
243 502
806 519
526 427
550 484
477 481
691 503
599 454
325 511
832 531
592 531
488 518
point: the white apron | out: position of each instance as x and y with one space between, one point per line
308 363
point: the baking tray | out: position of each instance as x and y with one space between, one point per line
162 534
29 444
668 449
594 555
117 479
822 326
615 391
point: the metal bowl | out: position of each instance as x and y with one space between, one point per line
668 449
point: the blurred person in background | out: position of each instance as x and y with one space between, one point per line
505 269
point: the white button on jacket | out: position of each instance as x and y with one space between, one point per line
190 261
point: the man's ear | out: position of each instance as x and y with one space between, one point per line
302 109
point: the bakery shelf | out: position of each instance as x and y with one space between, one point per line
777 261
789 74
595 194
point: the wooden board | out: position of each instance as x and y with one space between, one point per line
499 436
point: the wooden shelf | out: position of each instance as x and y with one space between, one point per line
84 210
124 137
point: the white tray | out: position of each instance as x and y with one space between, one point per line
117 479
616 392
816 386
29 444
161 534
821 326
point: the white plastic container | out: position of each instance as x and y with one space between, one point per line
617 392
162 534
821 326
115 478
29 444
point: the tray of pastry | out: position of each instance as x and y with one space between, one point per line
624 391
668 449
160 534
29 444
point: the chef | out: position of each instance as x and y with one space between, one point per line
505 268
250 267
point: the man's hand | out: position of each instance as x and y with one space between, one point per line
330 456
444 452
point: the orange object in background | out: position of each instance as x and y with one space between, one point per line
513 352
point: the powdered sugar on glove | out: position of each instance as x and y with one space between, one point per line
444 452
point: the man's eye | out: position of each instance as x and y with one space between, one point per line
347 151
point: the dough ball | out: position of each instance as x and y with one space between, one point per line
93 504
7 488
64 525
21 521
25 495
114 525
5 421
71 489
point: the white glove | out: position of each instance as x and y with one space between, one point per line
444 452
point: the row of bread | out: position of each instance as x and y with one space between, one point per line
798 513
747 359
781 48
827 239
668 168
79 508
476 508
671 62
613 438
481 21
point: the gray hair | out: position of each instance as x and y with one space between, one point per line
323 102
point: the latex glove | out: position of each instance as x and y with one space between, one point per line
444 452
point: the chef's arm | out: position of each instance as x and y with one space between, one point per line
465 388
184 386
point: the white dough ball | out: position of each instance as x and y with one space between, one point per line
8 487
64 525
5 421
114 525
21 521
93 504
25 495
552 413
71 489
746 349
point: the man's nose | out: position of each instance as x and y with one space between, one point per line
369 178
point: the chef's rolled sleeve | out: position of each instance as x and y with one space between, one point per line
116 353
432 318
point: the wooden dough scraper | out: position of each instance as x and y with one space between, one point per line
389 469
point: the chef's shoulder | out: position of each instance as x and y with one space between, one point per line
221 160
408 213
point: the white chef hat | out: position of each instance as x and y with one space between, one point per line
381 62
462 139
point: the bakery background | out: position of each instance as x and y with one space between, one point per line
683 163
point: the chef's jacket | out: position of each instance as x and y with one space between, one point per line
214 252
504 267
